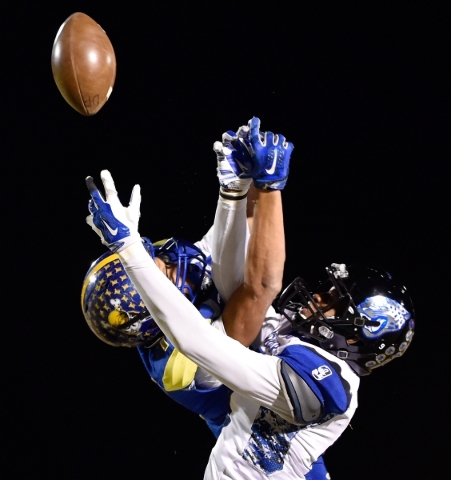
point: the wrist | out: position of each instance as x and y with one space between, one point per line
234 195
271 185
133 250
124 243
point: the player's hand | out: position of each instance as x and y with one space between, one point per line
271 157
235 160
116 225
243 154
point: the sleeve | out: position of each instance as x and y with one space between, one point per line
229 247
203 379
313 384
249 373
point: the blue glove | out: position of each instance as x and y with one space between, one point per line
243 156
271 158
116 225
235 162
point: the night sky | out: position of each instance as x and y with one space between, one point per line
361 91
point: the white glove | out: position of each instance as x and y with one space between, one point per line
116 225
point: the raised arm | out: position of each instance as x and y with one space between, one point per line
244 371
247 307
230 231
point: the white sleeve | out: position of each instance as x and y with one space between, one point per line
229 247
249 373
203 379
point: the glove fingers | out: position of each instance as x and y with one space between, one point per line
243 131
281 140
135 199
222 150
94 191
89 221
110 188
271 139
92 207
229 136
254 125
289 147
97 198
217 147
91 185
108 184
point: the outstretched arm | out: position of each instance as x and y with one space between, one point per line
246 309
249 373
230 231
206 242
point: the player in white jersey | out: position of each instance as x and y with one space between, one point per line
289 405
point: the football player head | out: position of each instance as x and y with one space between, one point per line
360 314
112 306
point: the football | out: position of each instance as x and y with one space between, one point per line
83 64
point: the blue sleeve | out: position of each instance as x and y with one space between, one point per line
212 405
321 382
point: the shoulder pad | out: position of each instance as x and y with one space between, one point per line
322 375
305 405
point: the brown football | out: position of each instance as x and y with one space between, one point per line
83 64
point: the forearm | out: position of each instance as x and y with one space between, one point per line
251 198
266 250
246 310
230 237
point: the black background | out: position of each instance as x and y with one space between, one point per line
359 88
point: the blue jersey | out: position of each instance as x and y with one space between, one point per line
165 366
175 374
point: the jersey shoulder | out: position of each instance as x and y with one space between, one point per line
316 384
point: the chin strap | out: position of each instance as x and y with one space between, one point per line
133 319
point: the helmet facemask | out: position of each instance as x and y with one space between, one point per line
191 277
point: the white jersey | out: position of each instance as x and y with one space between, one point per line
291 401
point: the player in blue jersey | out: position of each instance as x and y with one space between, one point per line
115 313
